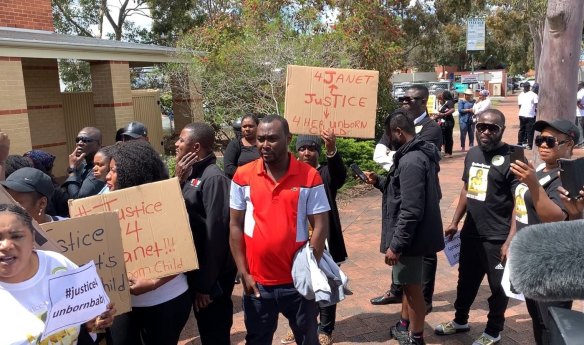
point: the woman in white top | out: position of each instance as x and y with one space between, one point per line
24 286
160 307
483 104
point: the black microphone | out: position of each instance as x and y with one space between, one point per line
547 261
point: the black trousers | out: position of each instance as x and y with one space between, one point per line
157 325
429 279
328 316
447 129
477 258
215 321
525 135
538 310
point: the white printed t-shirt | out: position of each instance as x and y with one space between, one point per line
527 102
580 97
25 305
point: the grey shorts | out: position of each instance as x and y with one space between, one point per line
408 270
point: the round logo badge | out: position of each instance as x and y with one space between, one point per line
498 160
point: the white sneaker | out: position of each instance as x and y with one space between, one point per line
486 339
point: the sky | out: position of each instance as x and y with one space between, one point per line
114 8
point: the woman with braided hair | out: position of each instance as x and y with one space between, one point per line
160 307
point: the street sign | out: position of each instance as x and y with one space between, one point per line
469 79
475 34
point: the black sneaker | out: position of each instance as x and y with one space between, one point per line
398 335
413 341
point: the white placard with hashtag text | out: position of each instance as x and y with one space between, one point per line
76 296
452 248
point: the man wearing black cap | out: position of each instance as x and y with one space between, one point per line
333 174
135 131
81 183
32 189
537 200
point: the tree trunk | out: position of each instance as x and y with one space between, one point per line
558 65
536 31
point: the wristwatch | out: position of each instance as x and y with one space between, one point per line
70 170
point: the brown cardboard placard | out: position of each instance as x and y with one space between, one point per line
344 100
156 234
96 237
41 239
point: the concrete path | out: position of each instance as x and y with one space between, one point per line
360 322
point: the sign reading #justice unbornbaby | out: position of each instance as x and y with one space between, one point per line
156 234
344 100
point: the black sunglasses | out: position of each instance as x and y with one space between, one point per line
408 99
84 140
493 128
549 141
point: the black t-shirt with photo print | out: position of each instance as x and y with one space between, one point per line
490 193
525 213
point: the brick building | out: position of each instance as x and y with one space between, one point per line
31 104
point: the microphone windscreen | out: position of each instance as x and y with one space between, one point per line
547 261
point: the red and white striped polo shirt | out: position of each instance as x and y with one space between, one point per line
276 223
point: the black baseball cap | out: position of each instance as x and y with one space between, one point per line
135 130
563 126
26 180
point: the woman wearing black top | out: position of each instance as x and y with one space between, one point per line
446 120
242 151
537 200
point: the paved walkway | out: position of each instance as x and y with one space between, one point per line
360 322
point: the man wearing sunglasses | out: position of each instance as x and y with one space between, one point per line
414 104
81 183
487 200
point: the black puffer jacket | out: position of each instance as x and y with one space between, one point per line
411 221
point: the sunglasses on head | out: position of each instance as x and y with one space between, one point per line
84 140
307 147
491 127
408 99
548 140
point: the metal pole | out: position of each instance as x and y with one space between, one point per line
471 67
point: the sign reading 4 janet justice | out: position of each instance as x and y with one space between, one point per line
344 100
156 235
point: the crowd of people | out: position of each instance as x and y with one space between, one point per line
250 220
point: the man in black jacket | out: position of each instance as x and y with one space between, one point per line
411 220
414 104
206 191
333 176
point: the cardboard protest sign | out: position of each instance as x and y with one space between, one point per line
76 297
156 234
344 100
96 237
431 105
40 237
452 249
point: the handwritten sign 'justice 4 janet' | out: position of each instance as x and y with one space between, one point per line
156 235
344 100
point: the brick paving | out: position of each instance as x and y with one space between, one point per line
360 322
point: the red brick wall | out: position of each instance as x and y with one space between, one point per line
26 14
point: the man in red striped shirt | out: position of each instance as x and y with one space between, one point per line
274 201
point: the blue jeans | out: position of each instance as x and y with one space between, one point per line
466 127
261 315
